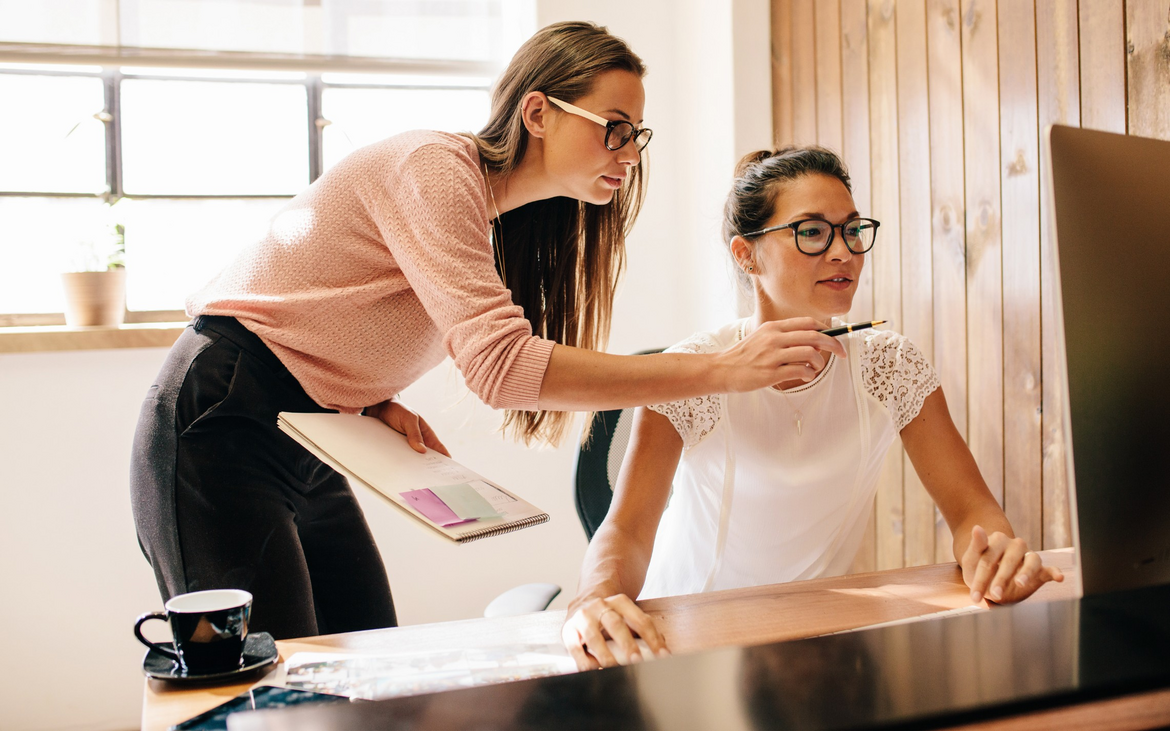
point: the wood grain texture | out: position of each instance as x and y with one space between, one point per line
830 126
947 212
948 205
804 73
1058 102
997 74
738 617
1102 62
59 338
885 261
1150 710
782 72
857 156
1148 67
855 127
917 277
977 27
1020 181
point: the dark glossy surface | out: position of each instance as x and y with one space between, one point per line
251 700
936 672
206 641
259 653
1111 194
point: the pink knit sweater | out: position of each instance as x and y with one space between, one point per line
383 266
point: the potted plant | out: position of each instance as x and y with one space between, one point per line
95 283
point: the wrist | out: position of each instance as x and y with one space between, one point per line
377 410
598 591
715 373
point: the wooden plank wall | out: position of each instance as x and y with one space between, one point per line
938 107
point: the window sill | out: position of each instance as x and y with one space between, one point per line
61 337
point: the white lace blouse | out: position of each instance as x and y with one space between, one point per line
778 486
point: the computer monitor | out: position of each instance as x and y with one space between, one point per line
1111 210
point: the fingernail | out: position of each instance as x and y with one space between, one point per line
996 594
664 652
976 596
635 657
1022 580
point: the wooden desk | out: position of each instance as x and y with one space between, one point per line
758 615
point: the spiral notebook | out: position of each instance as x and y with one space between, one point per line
432 488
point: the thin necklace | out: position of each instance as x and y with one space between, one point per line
797 414
497 239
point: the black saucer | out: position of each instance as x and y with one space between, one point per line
259 654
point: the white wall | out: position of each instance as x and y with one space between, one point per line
73 578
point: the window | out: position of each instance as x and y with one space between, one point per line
200 151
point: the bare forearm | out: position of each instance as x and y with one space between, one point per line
951 476
577 379
615 563
585 380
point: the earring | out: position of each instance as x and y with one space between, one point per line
751 268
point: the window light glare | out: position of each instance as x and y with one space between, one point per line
406 80
52 68
214 74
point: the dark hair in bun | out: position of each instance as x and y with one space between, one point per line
760 177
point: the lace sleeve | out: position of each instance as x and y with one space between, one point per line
896 373
693 418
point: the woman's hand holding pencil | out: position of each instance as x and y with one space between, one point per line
777 351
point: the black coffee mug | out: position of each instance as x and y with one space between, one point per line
209 628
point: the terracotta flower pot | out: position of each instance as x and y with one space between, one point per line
95 298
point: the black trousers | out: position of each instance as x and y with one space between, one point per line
223 499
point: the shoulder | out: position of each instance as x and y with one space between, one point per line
886 349
421 150
709 341
876 340
414 153
694 418
420 166
896 373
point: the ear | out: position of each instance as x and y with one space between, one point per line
743 252
534 109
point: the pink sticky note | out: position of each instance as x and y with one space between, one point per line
429 504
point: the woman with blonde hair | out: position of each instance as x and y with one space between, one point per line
500 249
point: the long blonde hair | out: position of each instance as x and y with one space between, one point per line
563 257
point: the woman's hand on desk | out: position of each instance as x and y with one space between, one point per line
418 433
618 618
1002 568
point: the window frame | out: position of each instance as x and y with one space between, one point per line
112 77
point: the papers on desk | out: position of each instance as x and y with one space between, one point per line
374 677
435 490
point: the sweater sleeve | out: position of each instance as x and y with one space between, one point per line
432 215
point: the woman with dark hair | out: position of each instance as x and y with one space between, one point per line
777 484
499 249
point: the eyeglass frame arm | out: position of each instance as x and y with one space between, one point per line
607 123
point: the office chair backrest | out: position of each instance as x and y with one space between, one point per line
599 461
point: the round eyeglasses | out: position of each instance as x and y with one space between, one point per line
618 132
814 236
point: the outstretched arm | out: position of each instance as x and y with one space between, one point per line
619 554
785 350
995 563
